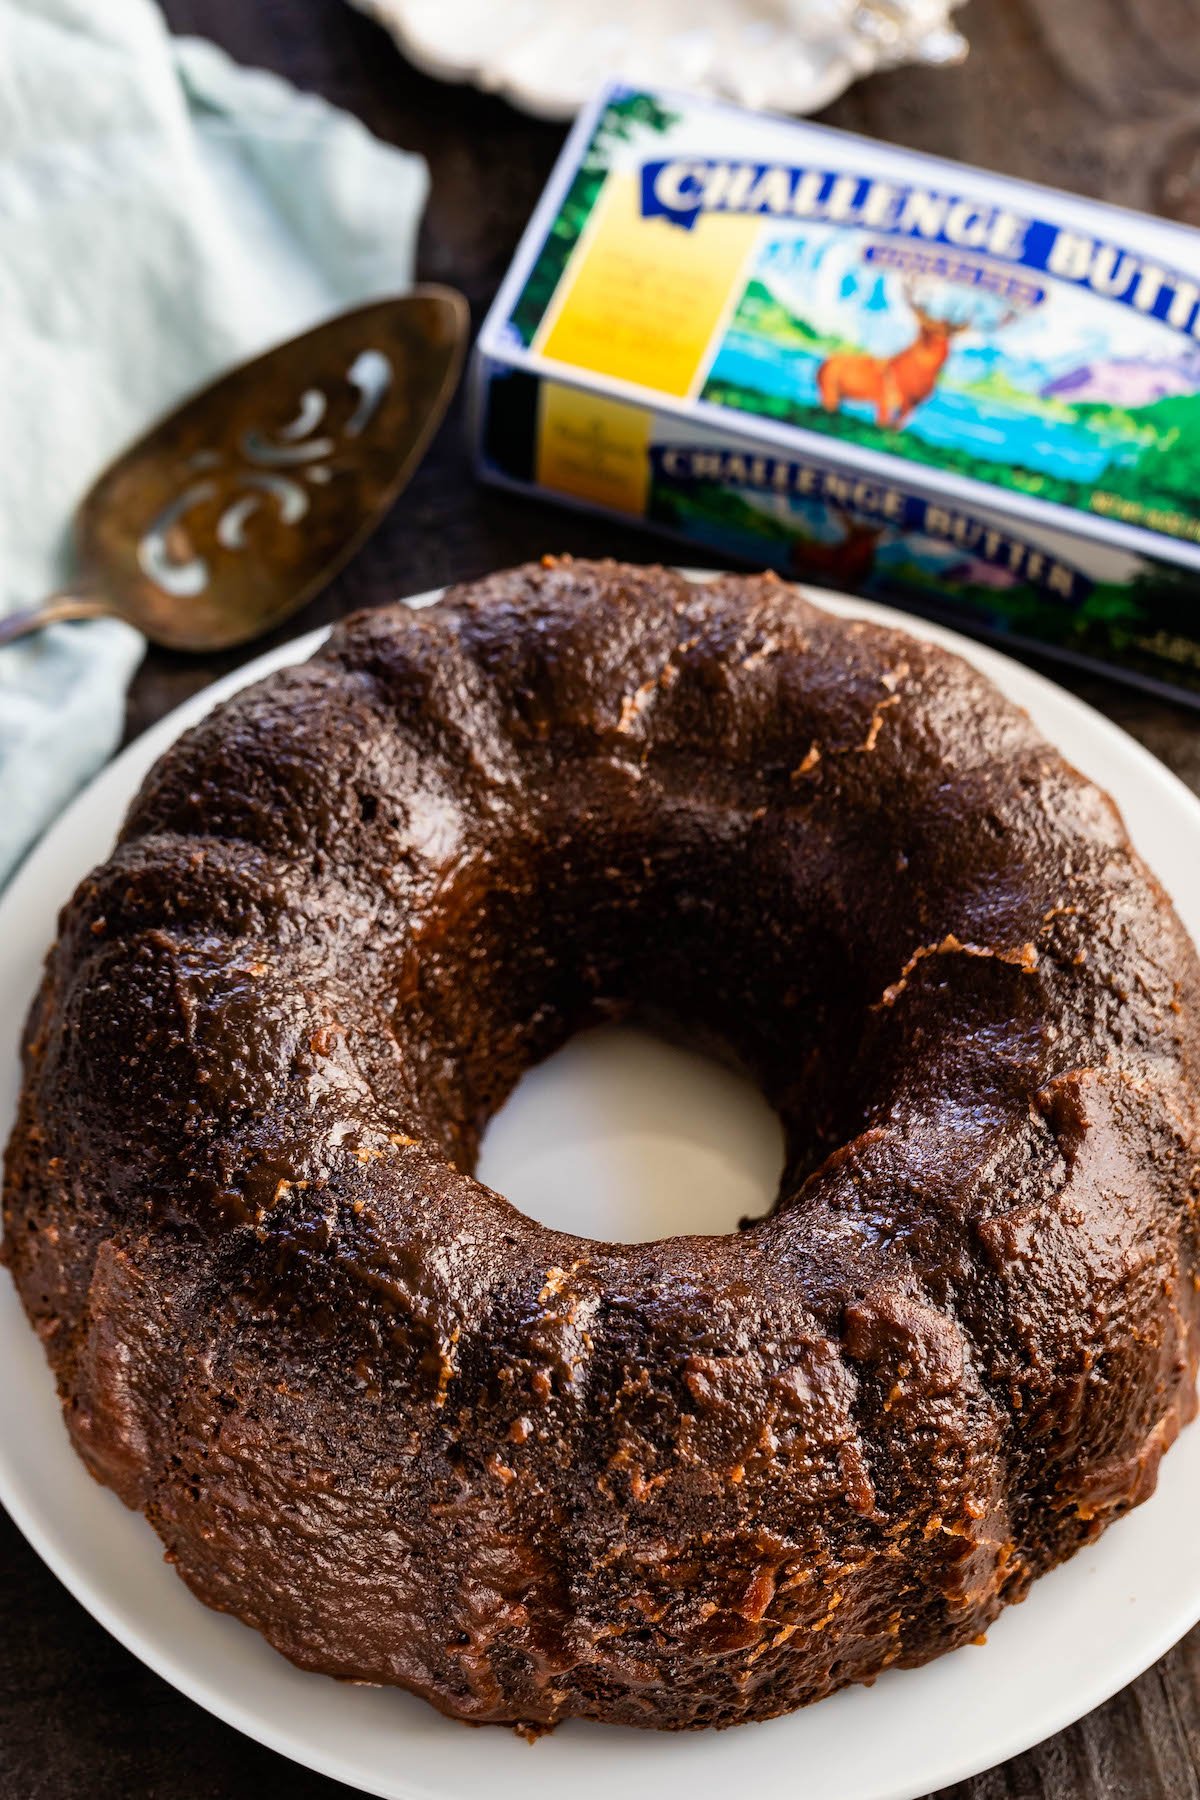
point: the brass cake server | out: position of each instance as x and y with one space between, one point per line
242 503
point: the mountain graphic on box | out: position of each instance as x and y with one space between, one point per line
1126 384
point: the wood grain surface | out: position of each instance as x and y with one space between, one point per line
1102 96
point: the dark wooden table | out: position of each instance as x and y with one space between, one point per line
1098 95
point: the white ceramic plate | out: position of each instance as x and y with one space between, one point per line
549 56
1085 1631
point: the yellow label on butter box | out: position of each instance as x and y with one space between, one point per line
593 449
644 303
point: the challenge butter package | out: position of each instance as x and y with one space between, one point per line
959 394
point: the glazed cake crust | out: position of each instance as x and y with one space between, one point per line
415 1438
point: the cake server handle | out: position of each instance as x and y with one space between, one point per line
54 611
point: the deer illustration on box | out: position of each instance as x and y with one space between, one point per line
895 385
848 562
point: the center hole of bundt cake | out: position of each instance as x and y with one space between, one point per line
623 1137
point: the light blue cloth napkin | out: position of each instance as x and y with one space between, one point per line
163 213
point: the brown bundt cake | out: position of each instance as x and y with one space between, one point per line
415 1438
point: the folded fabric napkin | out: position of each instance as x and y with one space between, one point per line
163 214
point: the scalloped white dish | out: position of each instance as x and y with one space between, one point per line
549 56
1086 1630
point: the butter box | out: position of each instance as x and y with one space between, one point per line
957 393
